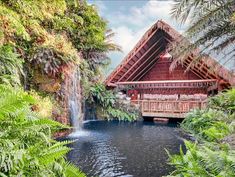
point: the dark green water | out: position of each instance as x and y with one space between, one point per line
108 149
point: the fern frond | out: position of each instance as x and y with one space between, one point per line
53 153
72 171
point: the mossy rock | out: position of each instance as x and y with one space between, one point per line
50 87
40 78
46 83
100 114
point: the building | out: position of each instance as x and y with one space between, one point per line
145 75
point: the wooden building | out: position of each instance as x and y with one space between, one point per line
144 74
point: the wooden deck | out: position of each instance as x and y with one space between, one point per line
167 109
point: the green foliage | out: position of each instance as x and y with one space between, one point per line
24 28
94 37
50 35
11 25
39 39
102 96
43 104
207 160
87 78
121 114
109 103
26 145
94 27
211 27
10 66
211 154
207 124
46 38
88 32
225 101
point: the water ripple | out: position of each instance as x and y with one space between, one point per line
111 149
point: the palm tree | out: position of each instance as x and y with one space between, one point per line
98 57
212 26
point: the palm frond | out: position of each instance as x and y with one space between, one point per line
211 26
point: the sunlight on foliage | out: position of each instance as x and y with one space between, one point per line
43 106
213 153
26 145
39 42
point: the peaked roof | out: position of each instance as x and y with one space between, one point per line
147 51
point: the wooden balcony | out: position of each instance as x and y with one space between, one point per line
167 109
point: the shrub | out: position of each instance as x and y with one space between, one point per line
43 105
26 144
209 159
208 124
111 108
10 66
211 154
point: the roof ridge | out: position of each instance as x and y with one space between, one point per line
138 44
210 62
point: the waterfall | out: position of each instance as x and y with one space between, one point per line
74 100
75 104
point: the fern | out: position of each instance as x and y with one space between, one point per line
72 171
52 153
11 68
211 155
26 145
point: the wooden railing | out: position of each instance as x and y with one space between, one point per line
168 108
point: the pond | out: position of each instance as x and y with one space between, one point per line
112 148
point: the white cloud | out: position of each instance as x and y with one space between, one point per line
127 38
131 24
157 9
139 16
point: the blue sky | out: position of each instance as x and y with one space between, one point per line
129 19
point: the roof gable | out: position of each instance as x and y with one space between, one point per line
160 71
149 49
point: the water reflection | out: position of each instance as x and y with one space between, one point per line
125 149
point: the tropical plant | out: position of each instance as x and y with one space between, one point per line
88 32
27 147
224 101
98 57
24 28
51 38
11 67
109 104
122 113
204 160
43 104
211 154
211 28
95 38
102 96
209 124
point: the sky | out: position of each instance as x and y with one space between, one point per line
130 19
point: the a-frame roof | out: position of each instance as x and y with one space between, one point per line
147 51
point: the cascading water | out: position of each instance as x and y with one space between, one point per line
75 105
74 100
